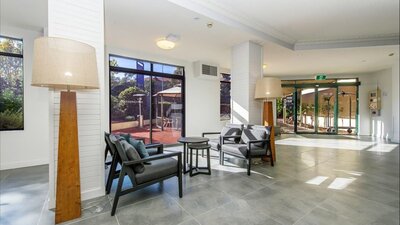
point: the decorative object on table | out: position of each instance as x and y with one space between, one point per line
268 88
66 65
197 148
186 141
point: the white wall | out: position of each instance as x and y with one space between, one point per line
27 147
381 126
73 20
202 95
395 101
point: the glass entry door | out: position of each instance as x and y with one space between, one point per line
305 110
316 110
326 112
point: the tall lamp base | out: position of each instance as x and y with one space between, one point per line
268 120
68 191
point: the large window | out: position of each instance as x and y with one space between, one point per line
146 99
11 84
225 97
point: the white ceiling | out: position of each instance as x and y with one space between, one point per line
331 30
137 25
27 14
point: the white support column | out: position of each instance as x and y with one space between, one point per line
81 20
395 101
247 59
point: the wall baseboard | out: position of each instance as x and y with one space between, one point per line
21 164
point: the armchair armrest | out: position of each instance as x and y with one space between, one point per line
159 146
154 157
140 139
223 138
209 133
255 142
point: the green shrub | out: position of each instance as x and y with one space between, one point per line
11 120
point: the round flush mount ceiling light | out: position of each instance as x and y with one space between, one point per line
168 42
165 44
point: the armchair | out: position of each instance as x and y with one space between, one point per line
163 166
113 173
254 143
228 130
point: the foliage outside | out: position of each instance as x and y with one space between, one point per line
11 85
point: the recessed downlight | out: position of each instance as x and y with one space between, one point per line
391 54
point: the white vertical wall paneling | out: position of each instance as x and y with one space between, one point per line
82 20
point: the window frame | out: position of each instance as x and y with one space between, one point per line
230 96
21 56
152 74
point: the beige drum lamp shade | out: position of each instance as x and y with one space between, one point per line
64 64
268 88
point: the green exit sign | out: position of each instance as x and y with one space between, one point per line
320 77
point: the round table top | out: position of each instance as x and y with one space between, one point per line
193 139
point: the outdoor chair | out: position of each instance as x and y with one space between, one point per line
113 173
163 166
254 143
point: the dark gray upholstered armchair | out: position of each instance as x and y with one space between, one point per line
229 130
254 143
113 173
163 166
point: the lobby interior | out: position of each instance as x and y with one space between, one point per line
167 69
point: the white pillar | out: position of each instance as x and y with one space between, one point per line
395 101
81 20
247 60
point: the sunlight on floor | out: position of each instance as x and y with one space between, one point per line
341 183
347 144
317 180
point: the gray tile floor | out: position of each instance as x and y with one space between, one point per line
316 180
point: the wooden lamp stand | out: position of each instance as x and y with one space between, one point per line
68 193
268 120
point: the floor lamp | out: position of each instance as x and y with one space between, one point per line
269 88
66 65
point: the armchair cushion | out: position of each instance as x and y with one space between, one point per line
242 151
158 168
152 151
132 154
139 146
230 131
252 135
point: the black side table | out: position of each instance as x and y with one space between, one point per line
197 148
186 141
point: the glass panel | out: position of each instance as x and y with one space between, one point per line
285 107
347 110
326 110
11 93
162 68
167 110
129 63
225 98
10 45
130 104
305 110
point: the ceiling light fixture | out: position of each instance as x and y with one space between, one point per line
264 66
391 54
210 24
165 44
168 42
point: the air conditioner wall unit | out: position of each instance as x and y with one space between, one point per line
206 70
